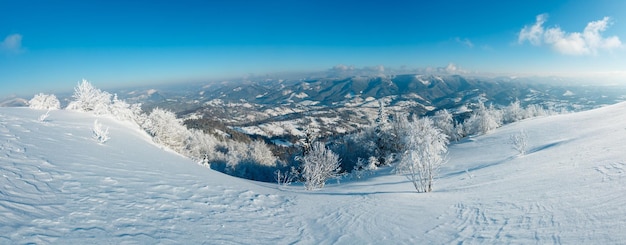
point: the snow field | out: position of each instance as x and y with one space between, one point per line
58 185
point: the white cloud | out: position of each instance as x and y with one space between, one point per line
451 68
12 44
533 33
590 41
572 43
464 42
342 68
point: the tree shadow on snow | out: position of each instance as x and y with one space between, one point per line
486 165
547 146
359 193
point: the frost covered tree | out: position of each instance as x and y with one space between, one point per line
261 154
201 146
426 148
445 122
310 135
513 112
399 127
126 112
535 111
43 101
519 141
482 120
382 135
167 130
88 98
319 165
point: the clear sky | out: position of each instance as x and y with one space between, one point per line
50 45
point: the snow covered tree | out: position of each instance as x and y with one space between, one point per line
519 141
261 154
426 148
482 120
399 128
201 146
445 122
43 101
513 113
319 165
167 130
126 112
89 98
382 135
535 111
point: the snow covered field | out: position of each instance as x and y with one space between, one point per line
59 185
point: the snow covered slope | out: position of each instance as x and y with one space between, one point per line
58 185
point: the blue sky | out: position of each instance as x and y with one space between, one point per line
48 46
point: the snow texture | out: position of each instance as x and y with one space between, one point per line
58 185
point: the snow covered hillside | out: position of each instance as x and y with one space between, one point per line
59 185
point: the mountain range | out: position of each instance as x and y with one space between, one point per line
277 108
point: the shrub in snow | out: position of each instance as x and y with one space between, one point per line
44 102
319 165
88 98
364 168
99 133
426 148
519 141
45 116
285 178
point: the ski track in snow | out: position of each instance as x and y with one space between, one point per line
501 223
612 171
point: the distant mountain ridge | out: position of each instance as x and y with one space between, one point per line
440 91
337 105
